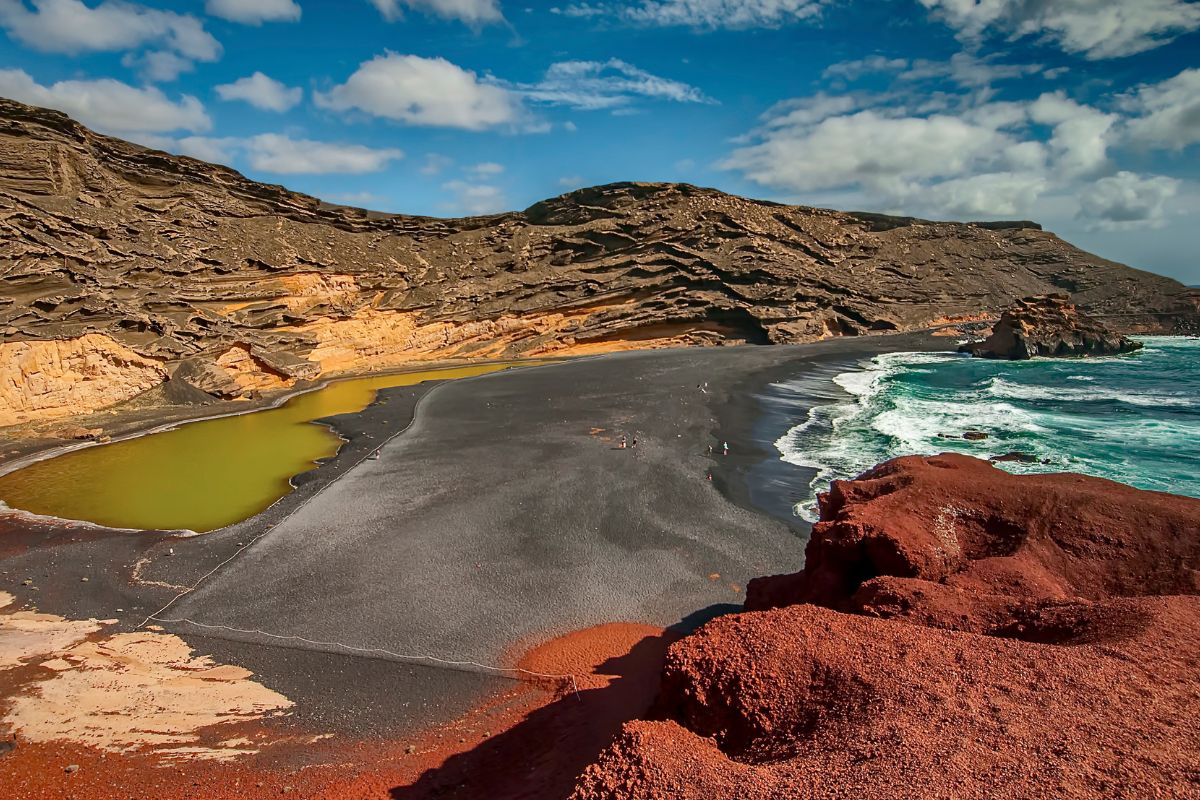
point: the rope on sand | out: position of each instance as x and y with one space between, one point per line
156 616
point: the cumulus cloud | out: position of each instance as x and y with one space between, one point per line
109 105
1126 200
591 85
261 91
473 12
424 91
254 12
476 198
1094 28
1167 113
987 158
1081 134
69 26
205 148
890 155
159 66
273 152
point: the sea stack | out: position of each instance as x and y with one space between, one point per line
1049 325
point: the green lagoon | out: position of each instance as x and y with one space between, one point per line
202 475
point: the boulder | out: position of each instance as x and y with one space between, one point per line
1049 325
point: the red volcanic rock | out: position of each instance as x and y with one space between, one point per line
971 533
957 632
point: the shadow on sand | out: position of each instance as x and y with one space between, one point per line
542 755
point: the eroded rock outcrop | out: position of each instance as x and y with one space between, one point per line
57 378
957 632
1049 325
180 261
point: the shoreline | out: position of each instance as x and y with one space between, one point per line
436 564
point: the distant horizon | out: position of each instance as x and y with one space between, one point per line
1079 116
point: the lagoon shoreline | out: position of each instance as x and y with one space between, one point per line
385 553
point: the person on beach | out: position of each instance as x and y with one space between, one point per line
634 444
725 448
623 442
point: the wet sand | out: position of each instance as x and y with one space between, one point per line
503 515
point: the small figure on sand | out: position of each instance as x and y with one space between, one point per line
634 442
624 442
374 455
725 448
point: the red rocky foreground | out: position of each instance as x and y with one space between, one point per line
957 632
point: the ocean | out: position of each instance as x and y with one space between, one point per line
1133 418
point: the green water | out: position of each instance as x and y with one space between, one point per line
202 475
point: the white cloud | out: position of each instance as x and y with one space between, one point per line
1081 133
1125 200
1094 28
477 198
273 152
254 12
1168 113
1005 194
853 70
69 26
282 155
473 12
159 66
890 155
109 105
359 199
262 92
895 152
435 163
591 85
713 14
963 69
424 91
570 181
205 148
486 169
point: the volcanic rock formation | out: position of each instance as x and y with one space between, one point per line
244 287
1049 325
957 632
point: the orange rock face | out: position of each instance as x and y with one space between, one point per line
957 632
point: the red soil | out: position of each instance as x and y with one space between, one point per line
1006 636
531 741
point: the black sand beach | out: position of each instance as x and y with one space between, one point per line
502 514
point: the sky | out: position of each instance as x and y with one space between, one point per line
1083 115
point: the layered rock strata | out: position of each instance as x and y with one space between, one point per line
246 286
957 632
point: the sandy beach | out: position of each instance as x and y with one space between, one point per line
387 597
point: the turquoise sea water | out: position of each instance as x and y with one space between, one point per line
1134 418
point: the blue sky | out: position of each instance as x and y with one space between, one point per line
1081 114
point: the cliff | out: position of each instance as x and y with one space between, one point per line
956 632
244 287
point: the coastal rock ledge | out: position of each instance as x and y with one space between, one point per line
1049 325
957 632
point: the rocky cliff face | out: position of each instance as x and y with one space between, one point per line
243 286
1049 325
956 632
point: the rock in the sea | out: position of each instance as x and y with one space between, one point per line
957 632
1049 325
